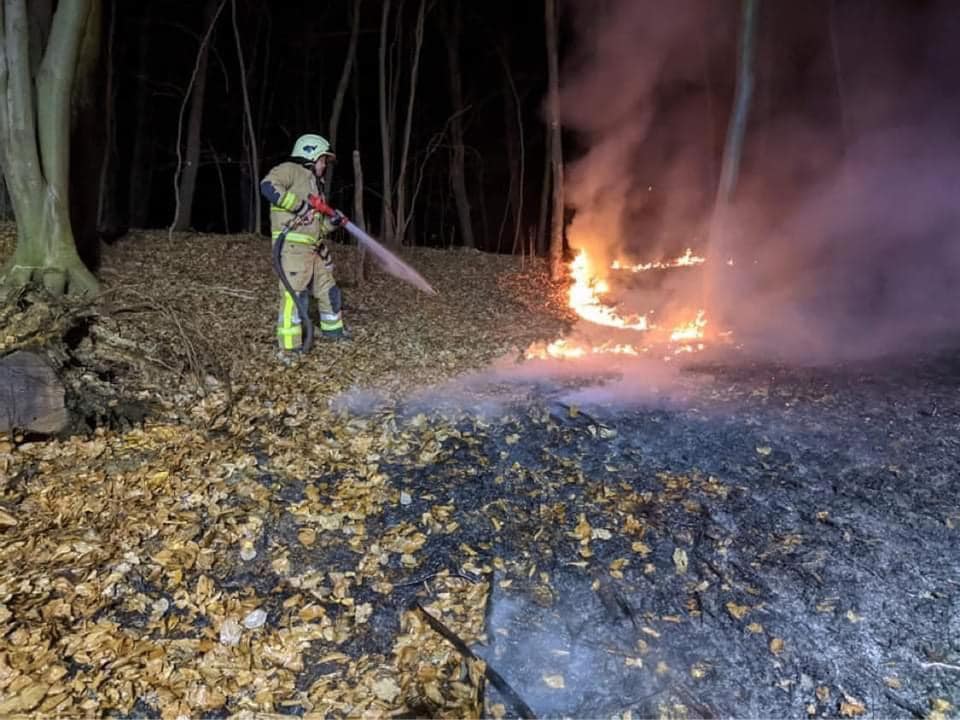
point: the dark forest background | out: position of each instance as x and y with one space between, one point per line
812 58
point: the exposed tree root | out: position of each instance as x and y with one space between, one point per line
118 354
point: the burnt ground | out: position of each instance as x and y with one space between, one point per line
785 544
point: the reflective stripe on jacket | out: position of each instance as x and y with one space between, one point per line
291 183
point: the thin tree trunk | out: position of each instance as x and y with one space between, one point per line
838 72
386 230
359 216
458 179
253 226
542 234
141 162
403 212
719 240
185 178
733 149
556 147
519 189
223 189
342 87
105 192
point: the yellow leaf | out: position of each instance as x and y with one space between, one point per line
680 560
851 707
755 628
386 689
823 693
307 536
641 549
737 611
662 668
699 671
776 646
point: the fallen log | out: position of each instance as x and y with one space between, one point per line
31 395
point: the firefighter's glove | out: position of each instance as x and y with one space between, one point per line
338 219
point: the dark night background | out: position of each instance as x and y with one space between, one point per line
827 71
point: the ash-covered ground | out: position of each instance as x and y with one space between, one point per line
775 543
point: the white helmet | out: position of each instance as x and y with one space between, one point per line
311 147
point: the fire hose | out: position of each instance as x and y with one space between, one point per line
390 262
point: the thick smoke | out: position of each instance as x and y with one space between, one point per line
845 228
633 69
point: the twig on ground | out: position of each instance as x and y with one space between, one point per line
232 292
509 694
939 666
432 575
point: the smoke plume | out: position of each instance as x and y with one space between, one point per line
843 233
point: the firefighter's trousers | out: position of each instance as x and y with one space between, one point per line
309 270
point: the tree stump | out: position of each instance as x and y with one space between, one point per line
31 395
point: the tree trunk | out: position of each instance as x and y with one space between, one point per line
556 147
187 184
719 240
141 162
544 197
403 212
253 223
733 149
458 180
106 204
517 166
387 229
87 153
35 114
342 88
359 217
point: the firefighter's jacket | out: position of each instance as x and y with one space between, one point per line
284 187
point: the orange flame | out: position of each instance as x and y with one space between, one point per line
585 298
692 330
685 260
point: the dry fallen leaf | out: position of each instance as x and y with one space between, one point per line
307 537
776 646
939 709
737 611
386 689
851 707
680 560
554 681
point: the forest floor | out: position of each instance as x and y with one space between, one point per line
223 535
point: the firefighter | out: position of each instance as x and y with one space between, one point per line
306 258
